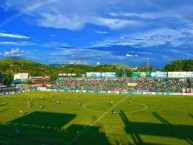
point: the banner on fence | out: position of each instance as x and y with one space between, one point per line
108 74
93 74
189 74
159 74
141 74
177 74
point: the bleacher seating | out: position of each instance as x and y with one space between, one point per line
148 84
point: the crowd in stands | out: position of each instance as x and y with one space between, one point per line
121 84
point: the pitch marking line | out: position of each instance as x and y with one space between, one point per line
94 122
128 112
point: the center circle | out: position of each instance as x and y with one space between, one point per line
104 106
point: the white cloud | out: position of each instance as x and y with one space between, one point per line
98 63
17 36
53 35
101 32
150 38
53 45
19 43
155 38
73 15
81 53
76 22
89 56
115 23
15 52
114 14
144 15
59 21
131 55
76 62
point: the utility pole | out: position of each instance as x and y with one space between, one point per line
147 63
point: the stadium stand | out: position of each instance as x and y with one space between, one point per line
113 84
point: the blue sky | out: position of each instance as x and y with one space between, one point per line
97 31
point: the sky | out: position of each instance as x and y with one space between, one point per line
97 32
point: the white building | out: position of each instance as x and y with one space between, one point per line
21 76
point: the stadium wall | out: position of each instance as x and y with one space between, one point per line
114 92
103 92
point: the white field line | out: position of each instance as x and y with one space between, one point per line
74 139
127 112
145 107
91 109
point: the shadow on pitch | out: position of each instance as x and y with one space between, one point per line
165 129
190 115
3 104
47 128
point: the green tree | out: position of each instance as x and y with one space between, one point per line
179 65
145 68
53 77
7 78
28 82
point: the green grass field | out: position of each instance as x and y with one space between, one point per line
146 120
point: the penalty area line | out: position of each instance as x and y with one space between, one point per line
74 139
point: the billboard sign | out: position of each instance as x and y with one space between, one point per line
93 74
141 74
132 84
159 74
60 75
108 74
177 74
189 74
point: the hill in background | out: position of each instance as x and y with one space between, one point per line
37 69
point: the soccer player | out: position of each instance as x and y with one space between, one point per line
57 102
54 101
111 103
17 130
79 103
129 101
28 104
21 112
41 98
113 111
40 105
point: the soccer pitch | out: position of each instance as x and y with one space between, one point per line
58 118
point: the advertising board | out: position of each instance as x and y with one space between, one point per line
159 74
108 74
177 74
141 74
189 74
62 75
93 74
132 84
